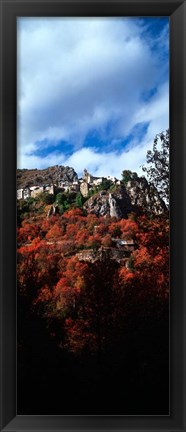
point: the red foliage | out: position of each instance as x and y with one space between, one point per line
106 241
129 228
55 232
27 232
81 237
92 299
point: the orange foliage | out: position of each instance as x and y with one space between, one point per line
91 299
106 241
55 232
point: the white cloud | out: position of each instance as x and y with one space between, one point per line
98 163
76 75
101 164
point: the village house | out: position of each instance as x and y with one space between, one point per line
127 245
23 193
98 181
87 178
36 190
88 181
50 189
19 194
64 185
112 179
69 186
75 187
122 242
119 255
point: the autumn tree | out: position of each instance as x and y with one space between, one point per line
84 301
146 282
55 232
81 237
106 241
37 266
115 229
27 232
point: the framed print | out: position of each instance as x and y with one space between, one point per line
93 215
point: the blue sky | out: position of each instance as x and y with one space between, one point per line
92 92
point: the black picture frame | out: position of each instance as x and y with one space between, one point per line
10 10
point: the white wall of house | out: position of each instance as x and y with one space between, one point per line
111 178
19 194
98 181
50 189
23 193
37 191
26 193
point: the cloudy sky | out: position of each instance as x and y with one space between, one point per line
92 92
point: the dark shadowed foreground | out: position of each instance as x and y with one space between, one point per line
131 378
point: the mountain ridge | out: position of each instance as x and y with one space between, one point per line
52 174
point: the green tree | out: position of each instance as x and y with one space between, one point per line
128 175
60 197
49 198
79 200
158 165
106 184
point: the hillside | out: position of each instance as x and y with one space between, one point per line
93 279
98 195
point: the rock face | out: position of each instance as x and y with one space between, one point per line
55 174
53 210
135 196
98 204
116 204
144 195
114 208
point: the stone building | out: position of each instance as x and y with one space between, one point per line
122 256
50 189
19 194
98 181
112 179
23 193
87 178
84 188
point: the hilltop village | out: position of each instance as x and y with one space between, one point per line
83 185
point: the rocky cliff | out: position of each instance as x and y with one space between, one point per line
136 196
54 174
144 196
